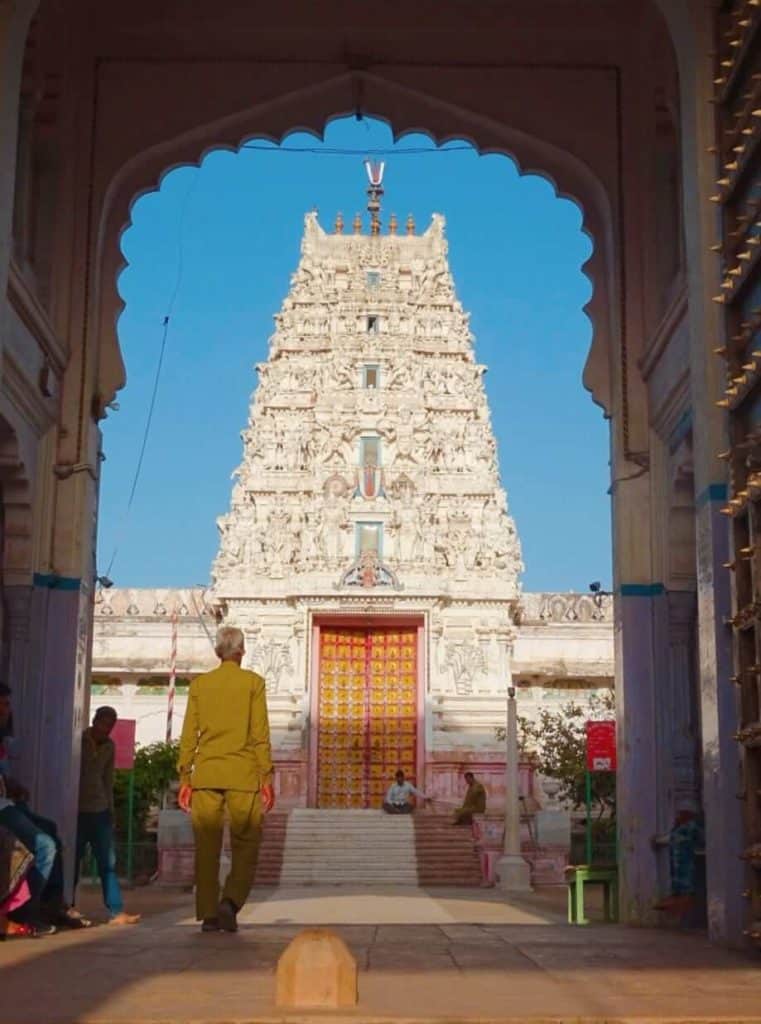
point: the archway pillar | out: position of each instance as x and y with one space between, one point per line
637 612
692 25
54 694
63 613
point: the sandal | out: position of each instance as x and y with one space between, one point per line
70 917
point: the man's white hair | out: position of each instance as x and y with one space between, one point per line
230 642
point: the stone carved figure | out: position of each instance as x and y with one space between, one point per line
279 540
342 373
272 660
310 534
335 443
460 531
465 661
399 377
408 439
409 536
436 449
334 521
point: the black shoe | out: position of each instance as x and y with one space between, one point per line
43 928
68 917
210 924
228 916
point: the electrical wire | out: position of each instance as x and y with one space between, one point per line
157 375
321 151
199 616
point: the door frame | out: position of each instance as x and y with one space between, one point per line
349 621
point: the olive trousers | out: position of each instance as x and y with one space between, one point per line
244 812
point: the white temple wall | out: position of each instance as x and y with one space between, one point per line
470 654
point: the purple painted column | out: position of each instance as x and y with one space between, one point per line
638 607
47 669
677 718
56 700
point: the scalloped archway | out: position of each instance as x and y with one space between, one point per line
406 109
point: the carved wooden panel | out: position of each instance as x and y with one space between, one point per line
738 200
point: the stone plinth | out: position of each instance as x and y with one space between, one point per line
513 873
553 828
316 971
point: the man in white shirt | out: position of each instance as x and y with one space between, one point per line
398 797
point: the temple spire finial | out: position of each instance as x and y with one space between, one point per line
375 171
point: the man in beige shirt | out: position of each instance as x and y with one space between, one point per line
225 767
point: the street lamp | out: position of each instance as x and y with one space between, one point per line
512 870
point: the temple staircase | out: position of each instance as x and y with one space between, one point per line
365 847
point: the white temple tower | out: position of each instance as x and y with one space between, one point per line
368 553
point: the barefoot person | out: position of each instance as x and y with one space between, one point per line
225 766
474 802
95 824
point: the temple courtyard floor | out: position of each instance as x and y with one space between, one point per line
423 955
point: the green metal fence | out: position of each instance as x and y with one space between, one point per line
144 862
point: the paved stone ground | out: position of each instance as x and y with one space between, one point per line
534 969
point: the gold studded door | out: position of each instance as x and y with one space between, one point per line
367 725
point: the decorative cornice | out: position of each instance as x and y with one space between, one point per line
25 395
31 313
546 608
673 318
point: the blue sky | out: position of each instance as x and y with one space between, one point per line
217 246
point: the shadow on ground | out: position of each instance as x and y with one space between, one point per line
166 970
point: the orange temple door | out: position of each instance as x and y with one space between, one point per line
367 726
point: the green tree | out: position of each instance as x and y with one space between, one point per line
556 742
155 769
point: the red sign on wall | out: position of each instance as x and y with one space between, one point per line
123 735
601 746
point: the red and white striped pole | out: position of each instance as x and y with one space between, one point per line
172 679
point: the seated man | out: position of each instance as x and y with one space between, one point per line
474 803
398 798
26 920
38 834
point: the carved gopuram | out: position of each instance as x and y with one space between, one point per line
368 552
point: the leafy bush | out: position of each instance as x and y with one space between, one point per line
557 745
155 769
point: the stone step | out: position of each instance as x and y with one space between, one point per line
350 847
365 847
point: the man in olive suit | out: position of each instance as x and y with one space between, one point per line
225 766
